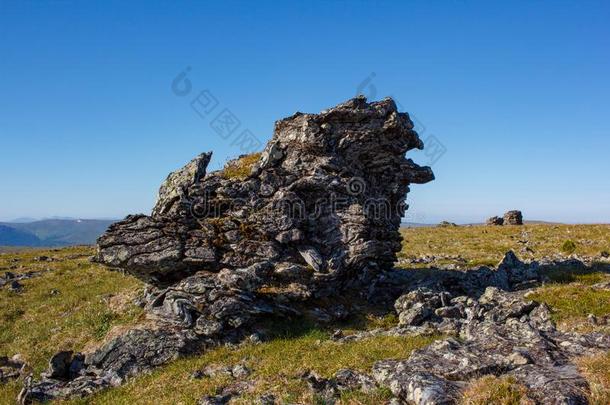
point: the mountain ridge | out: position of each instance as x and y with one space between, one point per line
52 232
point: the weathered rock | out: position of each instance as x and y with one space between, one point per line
328 192
318 214
494 221
500 332
215 399
12 368
513 218
347 379
329 389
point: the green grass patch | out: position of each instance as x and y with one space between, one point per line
570 302
568 247
67 307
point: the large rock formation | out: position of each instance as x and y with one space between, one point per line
318 213
325 199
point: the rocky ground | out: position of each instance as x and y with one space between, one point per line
516 342
308 231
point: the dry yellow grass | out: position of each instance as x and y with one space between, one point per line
486 245
240 168
597 371
490 389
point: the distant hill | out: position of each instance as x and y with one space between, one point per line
52 232
10 236
415 225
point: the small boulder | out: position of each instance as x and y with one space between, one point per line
15 286
513 218
415 315
215 399
494 221
267 399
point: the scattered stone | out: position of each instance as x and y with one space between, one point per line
255 338
323 389
240 371
347 379
329 389
12 368
267 399
337 334
12 279
495 221
501 334
15 286
215 399
513 218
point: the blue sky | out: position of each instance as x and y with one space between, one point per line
516 93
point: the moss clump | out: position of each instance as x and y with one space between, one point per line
240 168
568 247
493 390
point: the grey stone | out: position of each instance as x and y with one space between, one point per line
513 218
494 221
12 368
267 399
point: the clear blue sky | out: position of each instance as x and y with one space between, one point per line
518 93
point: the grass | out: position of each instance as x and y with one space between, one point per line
240 168
597 371
486 245
65 308
93 300
498 391
572 303
568 247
